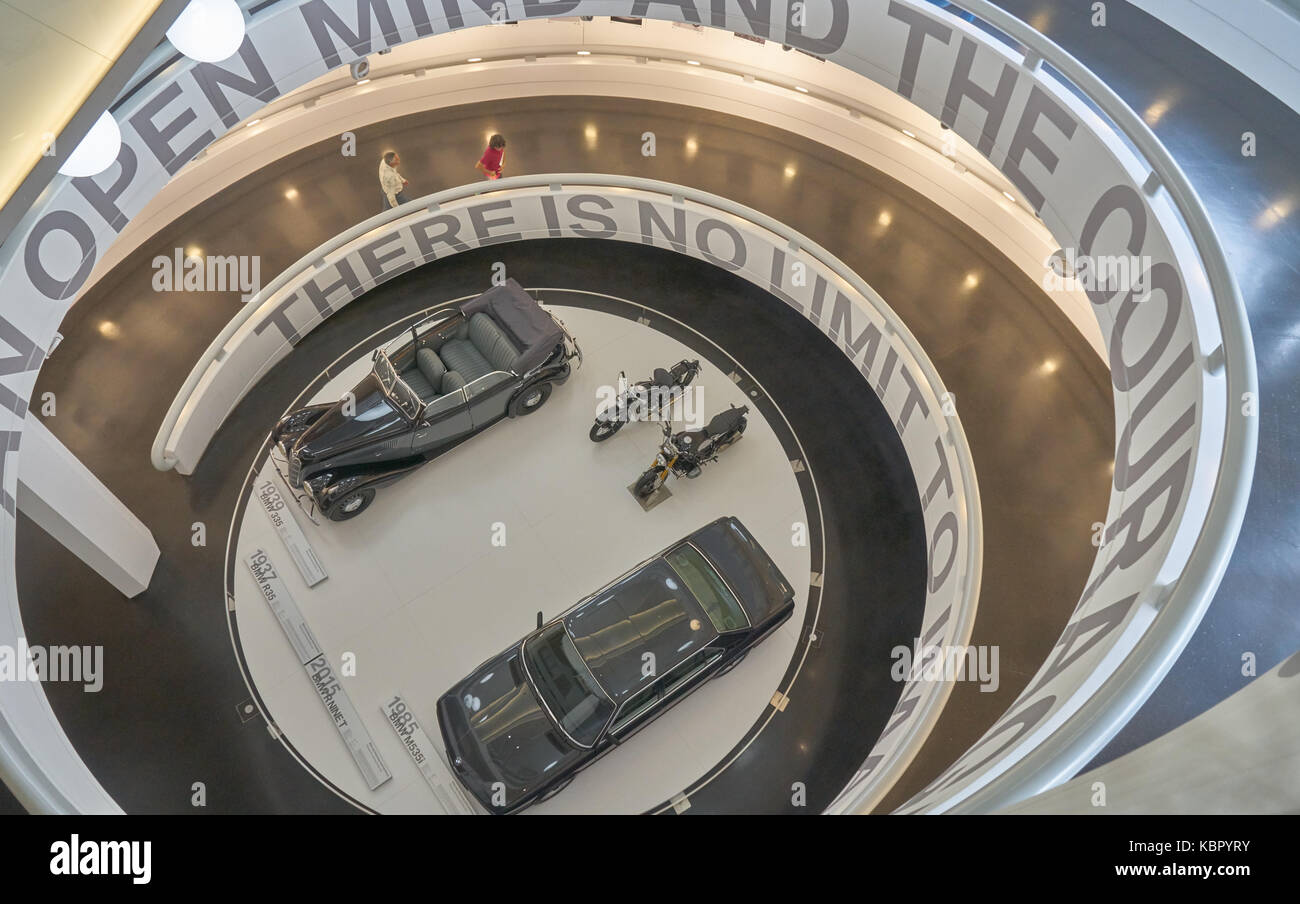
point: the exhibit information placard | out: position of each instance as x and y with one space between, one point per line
286 611
423 753
290 532
326 684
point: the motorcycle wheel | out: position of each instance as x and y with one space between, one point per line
734 438
603 430
351 505
647 484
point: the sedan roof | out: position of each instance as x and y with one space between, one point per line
648 612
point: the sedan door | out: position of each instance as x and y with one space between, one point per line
637 712
489 397
444 420
679 681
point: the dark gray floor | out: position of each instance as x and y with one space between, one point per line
1210 106
1026 431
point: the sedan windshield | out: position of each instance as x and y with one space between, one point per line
566 686
401 394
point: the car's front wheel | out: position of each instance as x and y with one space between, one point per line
350 505
532 398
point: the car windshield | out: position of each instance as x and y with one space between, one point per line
566 686
709 589
394 387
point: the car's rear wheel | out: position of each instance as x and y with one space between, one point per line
532 398
351 505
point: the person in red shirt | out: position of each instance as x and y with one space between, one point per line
490 163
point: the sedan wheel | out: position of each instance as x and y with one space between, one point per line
532 398
351 505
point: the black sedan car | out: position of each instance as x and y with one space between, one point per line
454 374
523 724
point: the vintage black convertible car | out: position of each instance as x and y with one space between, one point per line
455 373
521 726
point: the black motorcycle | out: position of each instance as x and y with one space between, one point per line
686 453
646 400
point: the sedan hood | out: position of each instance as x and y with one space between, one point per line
334 431
501 744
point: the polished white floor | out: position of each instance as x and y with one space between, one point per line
420 595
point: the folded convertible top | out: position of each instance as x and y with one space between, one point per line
533 331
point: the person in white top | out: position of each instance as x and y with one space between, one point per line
390 180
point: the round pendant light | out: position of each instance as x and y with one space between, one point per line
208 30
97 151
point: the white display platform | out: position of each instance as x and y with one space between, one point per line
420 595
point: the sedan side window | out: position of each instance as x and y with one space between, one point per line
443 404
487 383
684 671
637 705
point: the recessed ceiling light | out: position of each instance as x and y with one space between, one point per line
909 133
692 62
1010 197
801 89
584 53
363 81
291 194
474 60
251 123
